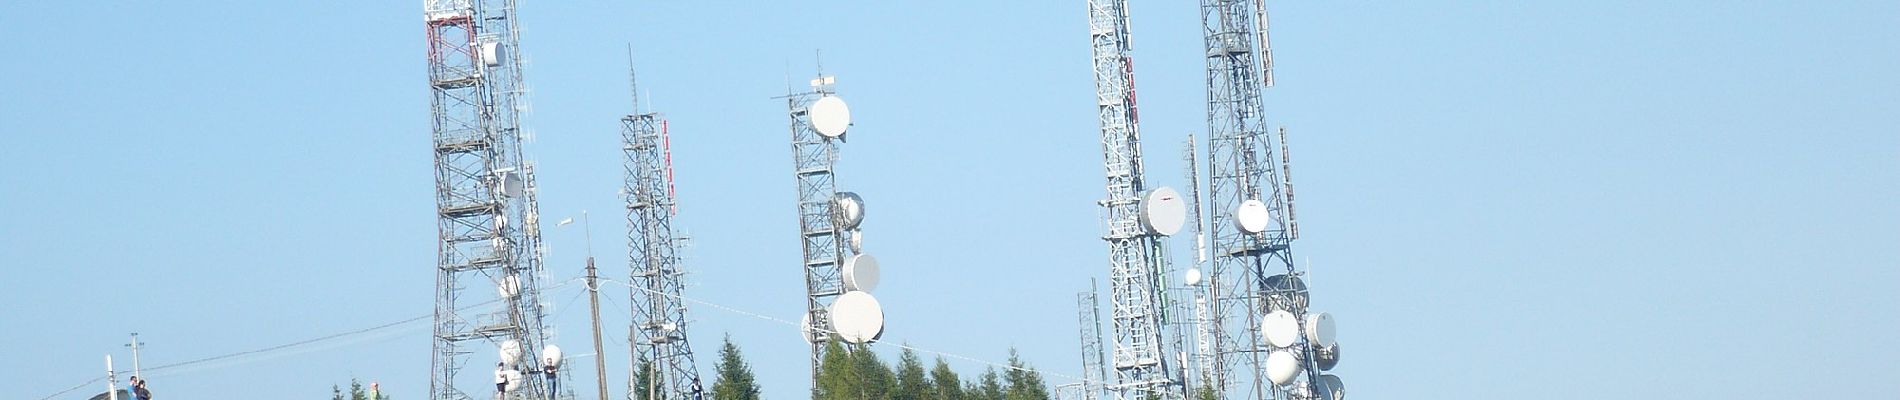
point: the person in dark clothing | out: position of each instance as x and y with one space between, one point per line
697 390
139 391
550 366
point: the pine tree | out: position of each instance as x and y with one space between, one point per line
1024 382
643 380
876 379
912 384
837 377
735 381
356 390
989 387
944 384
1206 392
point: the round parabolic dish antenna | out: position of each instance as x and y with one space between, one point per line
509 287
1192 277
511 184
855 239
551 355
812 335
1286 292
1280 328
1251 216
1282 366
1327 357
857 317
1330 387
1319 329
830 117
849 209
860 273
510 351
1163 211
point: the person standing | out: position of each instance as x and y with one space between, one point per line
501 381
550 366
138 389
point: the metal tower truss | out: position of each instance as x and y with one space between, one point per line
823 241
1088 314
1137 260
1240 168
658 331
488 234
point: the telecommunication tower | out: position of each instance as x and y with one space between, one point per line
1088 315
488 229
1137 219
658 329
1266 342
838 274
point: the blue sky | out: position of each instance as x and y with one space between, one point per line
1498 199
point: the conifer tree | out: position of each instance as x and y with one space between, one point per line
735 381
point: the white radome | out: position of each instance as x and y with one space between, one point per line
849 208
860 273
510 351
830 116
1280 328
551 355
857 317
855 239
1251 216
1319 329
1192 277
1163 211
1282 366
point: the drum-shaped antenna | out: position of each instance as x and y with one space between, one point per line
1280 328
857 317
1163 211
1251 217
1282 366
830 117
860 273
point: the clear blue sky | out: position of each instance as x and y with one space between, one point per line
1499 199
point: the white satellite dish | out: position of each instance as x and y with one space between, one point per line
1192 277
857 317
830 117
812 335
1330 387
509 287
1251 216
849 210
1327 357
860 273
855 239
490 53
1280 328
510 351
551 355
511 184
1282 366
514 380
1163 211
1319 329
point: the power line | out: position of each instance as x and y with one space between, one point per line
296 343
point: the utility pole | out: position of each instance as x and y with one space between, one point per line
593 301
135 354
112 381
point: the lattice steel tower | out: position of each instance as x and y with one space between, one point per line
1242 283
485 200
1137 259
658 330
822 240
1088 315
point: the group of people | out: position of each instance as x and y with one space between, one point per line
138 390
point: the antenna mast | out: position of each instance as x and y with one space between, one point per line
658 329
1137 257
485 198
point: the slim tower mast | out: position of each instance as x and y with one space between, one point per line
1089 316
488 229
1136 257
658 330
824 240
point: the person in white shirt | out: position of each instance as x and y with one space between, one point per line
501 381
